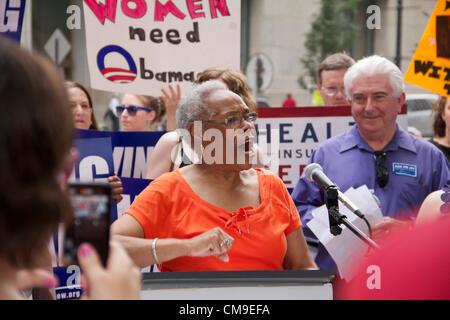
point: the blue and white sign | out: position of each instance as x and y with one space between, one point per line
95 160
11 18
69 283
95 163
130 152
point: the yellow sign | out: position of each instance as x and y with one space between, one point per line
430 66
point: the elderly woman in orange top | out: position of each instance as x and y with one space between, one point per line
220 213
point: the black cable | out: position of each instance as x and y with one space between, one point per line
368 225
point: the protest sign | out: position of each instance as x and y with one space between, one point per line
142 46
430 65
129 153
131 150
95 163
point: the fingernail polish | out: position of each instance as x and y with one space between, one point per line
85 250
50 283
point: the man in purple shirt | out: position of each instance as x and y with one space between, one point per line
401 169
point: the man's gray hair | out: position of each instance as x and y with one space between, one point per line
193 107
371 66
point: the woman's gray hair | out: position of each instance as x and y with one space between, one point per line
375 65
193 107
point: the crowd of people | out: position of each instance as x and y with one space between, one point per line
35 162
198 214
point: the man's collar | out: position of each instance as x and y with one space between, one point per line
401 139
353 139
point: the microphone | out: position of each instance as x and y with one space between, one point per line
314 172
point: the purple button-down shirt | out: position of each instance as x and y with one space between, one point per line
349 162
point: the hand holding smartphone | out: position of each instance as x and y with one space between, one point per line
91 203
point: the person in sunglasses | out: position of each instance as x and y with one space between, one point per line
330 78
218 213
139 113
400 168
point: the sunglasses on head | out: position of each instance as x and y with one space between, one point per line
131 110
382 173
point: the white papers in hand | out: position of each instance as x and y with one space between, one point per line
347 249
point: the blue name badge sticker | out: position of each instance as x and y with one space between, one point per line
404 169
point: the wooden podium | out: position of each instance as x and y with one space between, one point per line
238 285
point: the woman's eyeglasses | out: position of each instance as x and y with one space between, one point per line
131 110
382 173
236 121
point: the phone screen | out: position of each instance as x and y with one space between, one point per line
91 203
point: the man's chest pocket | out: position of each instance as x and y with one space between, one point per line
413 190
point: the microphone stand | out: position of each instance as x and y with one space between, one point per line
337 219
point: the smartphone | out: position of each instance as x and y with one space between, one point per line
91 204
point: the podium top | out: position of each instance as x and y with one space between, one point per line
241 278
